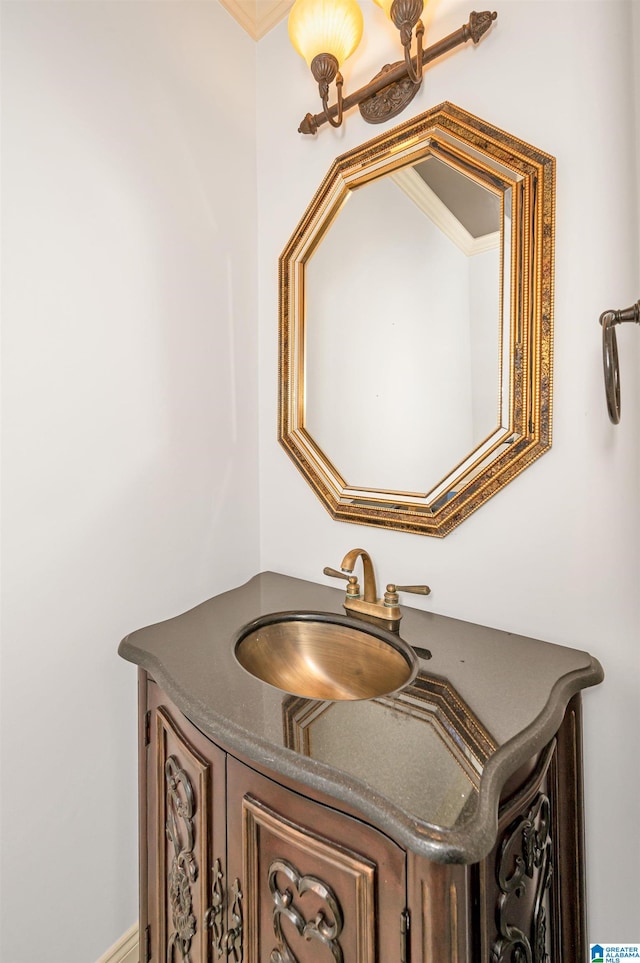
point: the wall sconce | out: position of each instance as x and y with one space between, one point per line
326 32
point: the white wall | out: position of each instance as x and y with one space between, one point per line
555 555
130 416
130 478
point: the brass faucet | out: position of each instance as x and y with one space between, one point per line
348 564
386 608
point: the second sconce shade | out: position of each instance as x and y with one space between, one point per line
386 6
325 27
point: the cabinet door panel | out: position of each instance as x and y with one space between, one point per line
319 886
186 839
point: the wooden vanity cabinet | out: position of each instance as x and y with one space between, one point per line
237 866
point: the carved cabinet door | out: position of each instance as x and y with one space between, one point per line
531 887
310 885
517 889
183 861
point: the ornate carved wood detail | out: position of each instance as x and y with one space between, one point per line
523 872
183 869
233 941
183 798
325 930
214 917
292 893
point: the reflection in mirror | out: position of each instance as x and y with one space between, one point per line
416 323
444 746
396 342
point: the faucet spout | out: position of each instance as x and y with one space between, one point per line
348 564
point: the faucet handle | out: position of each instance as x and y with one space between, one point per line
391 595
353 589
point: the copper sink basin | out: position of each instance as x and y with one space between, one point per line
327 657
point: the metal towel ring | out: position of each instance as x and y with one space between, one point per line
608 320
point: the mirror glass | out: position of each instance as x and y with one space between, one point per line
415 323
391 353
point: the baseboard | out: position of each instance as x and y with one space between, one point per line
125 950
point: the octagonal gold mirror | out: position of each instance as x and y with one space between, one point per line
416 303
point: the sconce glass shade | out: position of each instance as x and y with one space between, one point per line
385 5
409 11
325 27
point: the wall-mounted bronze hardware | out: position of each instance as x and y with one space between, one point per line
395 85
324 68
611 365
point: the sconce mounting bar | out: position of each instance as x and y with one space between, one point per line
394 77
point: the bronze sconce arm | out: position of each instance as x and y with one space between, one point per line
393 88
324 69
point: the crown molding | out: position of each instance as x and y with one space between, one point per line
430 204
257 17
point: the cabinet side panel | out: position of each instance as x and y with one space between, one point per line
440 925
185 836
532 886
517 903
571 937
143 806
183 792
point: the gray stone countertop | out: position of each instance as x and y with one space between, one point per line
404 762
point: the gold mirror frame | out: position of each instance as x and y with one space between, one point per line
525 178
